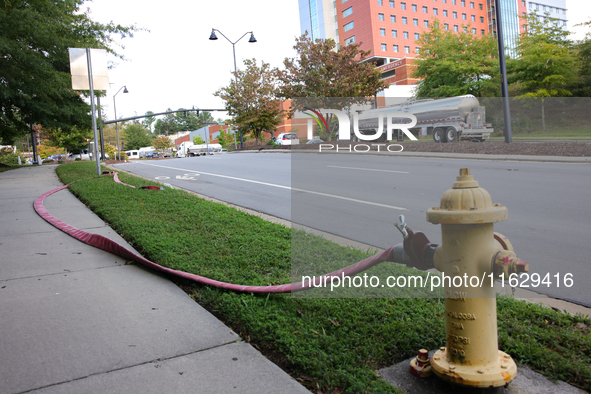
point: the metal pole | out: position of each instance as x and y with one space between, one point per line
236 78
93 109
101 130
34 140
117 127
504 88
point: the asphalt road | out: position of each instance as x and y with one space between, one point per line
360 197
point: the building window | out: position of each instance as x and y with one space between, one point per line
382 32
407 49
463 3
350 40
347 12
434 11
395 48
414 7
403 6
473 30
416 36
393 18
444 1
426 23
446 26
381 17
455 14
394 33
444 12
523 3
481 19
404 20
456 28
384 47
463 16
531 5
471 4
349 26
480 6
482 31
465 29
380 2
453 2
391 3
473 18
415 22
405 34
425 10
418 50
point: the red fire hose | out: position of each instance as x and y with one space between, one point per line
111 246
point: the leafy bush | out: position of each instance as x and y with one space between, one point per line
11 159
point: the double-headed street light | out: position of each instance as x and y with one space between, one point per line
251 40
116 123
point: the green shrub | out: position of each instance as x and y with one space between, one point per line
11 159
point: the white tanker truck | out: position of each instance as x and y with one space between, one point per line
448 119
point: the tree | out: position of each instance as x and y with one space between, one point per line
203 118
167 125
135 136
225 139
162 143
71 140
198 140
582 87
327 77
546 65
454 64
253 99
36 85
149 121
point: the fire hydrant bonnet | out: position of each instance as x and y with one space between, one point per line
466 203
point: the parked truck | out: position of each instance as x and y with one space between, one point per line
189 149
448 119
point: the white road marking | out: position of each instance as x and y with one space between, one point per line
370 169
286 187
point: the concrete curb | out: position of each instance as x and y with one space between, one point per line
441 155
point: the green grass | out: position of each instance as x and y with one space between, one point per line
548 134
330 345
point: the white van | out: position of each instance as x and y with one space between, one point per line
133 154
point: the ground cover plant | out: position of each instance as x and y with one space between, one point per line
329 345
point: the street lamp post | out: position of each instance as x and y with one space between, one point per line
251 40
117 123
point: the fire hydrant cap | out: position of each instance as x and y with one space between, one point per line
466 203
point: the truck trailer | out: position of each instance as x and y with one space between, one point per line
448 119
189 149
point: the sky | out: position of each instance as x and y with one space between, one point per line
175 65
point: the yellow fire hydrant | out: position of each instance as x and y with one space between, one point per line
471 256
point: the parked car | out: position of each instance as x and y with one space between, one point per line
316 141
153 155
287 139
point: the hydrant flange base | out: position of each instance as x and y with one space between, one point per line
495 375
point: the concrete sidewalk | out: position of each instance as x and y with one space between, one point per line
75 319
